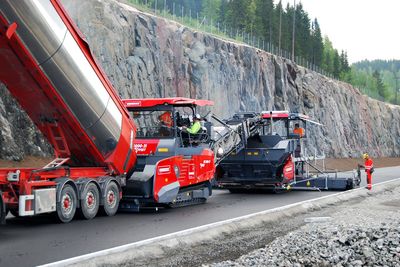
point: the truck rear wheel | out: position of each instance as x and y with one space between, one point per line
90 200
66 207
111 199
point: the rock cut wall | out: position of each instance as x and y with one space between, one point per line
146 56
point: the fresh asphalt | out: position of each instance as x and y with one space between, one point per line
40 240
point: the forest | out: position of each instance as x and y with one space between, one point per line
378 78
286 28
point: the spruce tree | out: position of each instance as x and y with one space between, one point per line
211 9
287 28
264 10
327 56
277 25
302 38
236 15
317 44
336 64
380 86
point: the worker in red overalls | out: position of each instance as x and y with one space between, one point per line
369 169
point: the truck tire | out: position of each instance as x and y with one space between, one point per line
66 207
90 201
111 199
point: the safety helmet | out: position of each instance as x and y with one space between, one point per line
365 156
197 116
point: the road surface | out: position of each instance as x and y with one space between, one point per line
40 240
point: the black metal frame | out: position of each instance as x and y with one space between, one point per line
2 209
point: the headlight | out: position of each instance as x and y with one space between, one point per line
220 152
176 170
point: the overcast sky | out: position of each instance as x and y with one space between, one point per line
366 29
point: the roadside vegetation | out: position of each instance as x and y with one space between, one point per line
286 31
378 78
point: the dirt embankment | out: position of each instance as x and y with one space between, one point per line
28 162
351 163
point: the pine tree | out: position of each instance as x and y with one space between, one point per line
317 44
222 11
380 86
236 15
211 9
302 39
287 28
336 64
327 56
250 17
189 6
277 25
264 10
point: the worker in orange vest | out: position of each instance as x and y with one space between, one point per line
166 119
298 130
166 123
369 169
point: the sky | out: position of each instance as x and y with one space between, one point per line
366 29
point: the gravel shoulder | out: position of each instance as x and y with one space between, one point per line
359 232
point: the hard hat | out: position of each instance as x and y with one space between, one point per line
198 116
365 156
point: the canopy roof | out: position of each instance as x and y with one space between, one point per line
174 101
284 114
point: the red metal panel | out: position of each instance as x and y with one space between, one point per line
165 174
196 170
175 101
275 115
30 179
288 170
205 166
27 174
146 146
